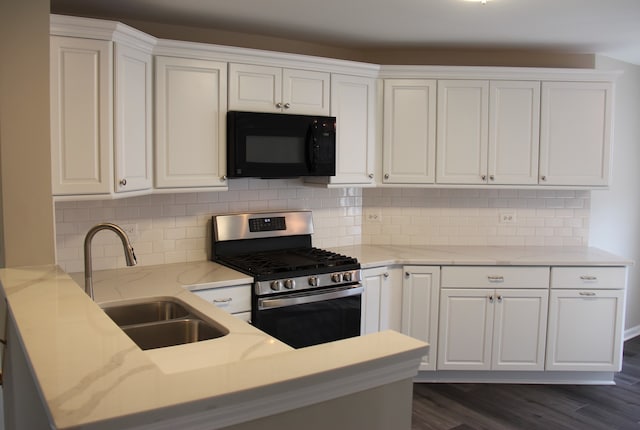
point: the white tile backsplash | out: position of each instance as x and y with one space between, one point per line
174 228
471 217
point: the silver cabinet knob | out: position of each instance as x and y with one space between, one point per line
123 182
386 274
279 105
483 177
223 178
287 105
386 176
544 178
370 175
492 178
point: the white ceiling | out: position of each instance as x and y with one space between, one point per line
608 27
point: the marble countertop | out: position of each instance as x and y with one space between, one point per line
92 376
382 255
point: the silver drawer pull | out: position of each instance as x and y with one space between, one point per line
587 293
495 278
227 300
589 278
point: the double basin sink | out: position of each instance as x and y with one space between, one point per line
163 322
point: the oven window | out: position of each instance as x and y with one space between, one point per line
312 323
275 149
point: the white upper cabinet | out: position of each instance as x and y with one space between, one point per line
575 133
273 89
133 115
462 138
190 123
514 124
353 105
81 115
409 137
100 120
488 132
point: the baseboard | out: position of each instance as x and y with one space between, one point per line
632 332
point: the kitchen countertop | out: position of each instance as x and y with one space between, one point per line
382 255
92 375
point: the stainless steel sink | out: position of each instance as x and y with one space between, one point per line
159 323
146 312
170 333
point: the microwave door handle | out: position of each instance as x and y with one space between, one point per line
312 145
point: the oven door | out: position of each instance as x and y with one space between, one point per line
311 318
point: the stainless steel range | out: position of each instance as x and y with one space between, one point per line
301 295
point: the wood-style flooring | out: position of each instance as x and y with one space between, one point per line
524 407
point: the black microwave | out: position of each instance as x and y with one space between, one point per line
273 145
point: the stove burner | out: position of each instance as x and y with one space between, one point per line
290 260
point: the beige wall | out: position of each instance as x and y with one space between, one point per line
454 56
615 213
25 162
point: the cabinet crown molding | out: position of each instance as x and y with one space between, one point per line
90 28
497 73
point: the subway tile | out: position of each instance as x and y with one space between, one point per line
173 227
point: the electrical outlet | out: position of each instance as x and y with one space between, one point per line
373 215
507 218
131 230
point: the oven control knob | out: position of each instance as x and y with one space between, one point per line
347 276
336 277
313 281
276 285
289 284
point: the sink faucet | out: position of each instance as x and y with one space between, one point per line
128 252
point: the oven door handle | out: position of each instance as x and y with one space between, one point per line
337 293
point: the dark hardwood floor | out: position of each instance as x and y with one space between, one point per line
520 407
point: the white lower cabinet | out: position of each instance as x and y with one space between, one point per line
586 317
381 299
420 291
501 328
236 299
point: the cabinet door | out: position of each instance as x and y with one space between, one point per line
373 281
305 92
409 139
255 88
514 137
420 292
585 330
462 137
519 329
81 115
190 123
575 133
352 103
464 333
133 132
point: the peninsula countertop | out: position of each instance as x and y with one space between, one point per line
90 375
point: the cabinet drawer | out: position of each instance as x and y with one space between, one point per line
232 299
612 278
494 277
